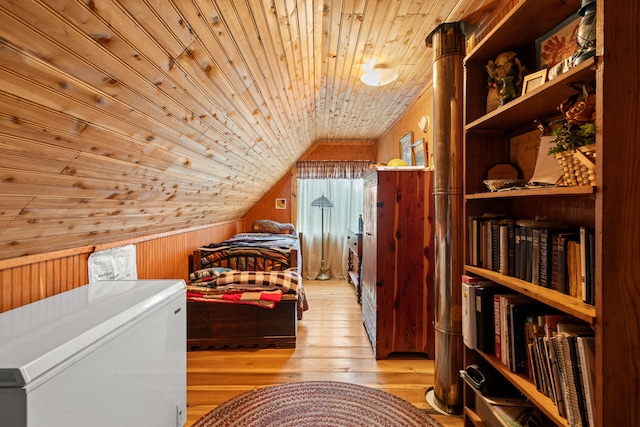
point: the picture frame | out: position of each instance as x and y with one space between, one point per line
405 148
418 151
281 203
534 80
558 44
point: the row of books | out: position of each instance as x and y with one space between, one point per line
561 364
555 350
547 254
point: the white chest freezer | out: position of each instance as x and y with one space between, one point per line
111 353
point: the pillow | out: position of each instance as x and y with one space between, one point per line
273 227
207 274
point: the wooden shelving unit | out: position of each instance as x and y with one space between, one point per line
489 139
550 297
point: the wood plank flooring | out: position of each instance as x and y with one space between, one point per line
332 345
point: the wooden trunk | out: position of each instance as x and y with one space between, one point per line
220 325
398 261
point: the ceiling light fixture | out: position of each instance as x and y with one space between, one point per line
377 76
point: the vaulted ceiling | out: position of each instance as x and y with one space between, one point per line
125 117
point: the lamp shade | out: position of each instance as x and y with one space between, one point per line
322 202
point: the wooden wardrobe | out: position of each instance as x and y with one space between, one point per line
398 261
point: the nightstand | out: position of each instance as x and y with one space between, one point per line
354 241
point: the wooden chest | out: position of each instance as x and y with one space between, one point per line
241 325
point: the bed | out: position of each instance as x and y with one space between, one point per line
247 290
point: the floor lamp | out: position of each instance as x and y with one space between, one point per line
322 202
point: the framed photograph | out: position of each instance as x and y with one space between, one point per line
418 151
559 43
405 147
281 203
534 80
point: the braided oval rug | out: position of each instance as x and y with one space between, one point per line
317 404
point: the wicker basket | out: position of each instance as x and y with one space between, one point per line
578 166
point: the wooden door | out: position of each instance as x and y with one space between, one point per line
369 257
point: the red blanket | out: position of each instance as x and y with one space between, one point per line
267 299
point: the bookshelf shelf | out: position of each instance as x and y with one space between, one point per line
550 297
539 103
473 417
534 192
540 17
527 388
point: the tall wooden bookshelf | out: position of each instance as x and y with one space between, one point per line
611 206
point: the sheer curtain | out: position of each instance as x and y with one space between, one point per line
343 185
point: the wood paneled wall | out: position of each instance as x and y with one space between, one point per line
164 256
342 150
266 207
389 143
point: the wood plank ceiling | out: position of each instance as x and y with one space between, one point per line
120 118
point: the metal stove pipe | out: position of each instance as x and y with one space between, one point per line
448 44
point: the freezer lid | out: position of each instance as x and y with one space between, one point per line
36 337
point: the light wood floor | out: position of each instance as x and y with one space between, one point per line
332 345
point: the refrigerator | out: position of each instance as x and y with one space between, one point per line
110 353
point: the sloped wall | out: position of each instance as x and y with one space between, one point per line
163 256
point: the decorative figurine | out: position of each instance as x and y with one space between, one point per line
505 77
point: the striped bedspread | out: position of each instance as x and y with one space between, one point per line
245 287
251 251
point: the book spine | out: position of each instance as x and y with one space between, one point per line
521 330
554 262
528 254
469 241
484 262
545 259
535 256
518 247
497 327
561 389
562 265
516 331
511 248
504 330
543 365
495 246
576 379
476 235
573 269
586 353
529 336
554 379
591 260
484 320
583 263
468 315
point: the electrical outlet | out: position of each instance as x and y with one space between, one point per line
181 413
